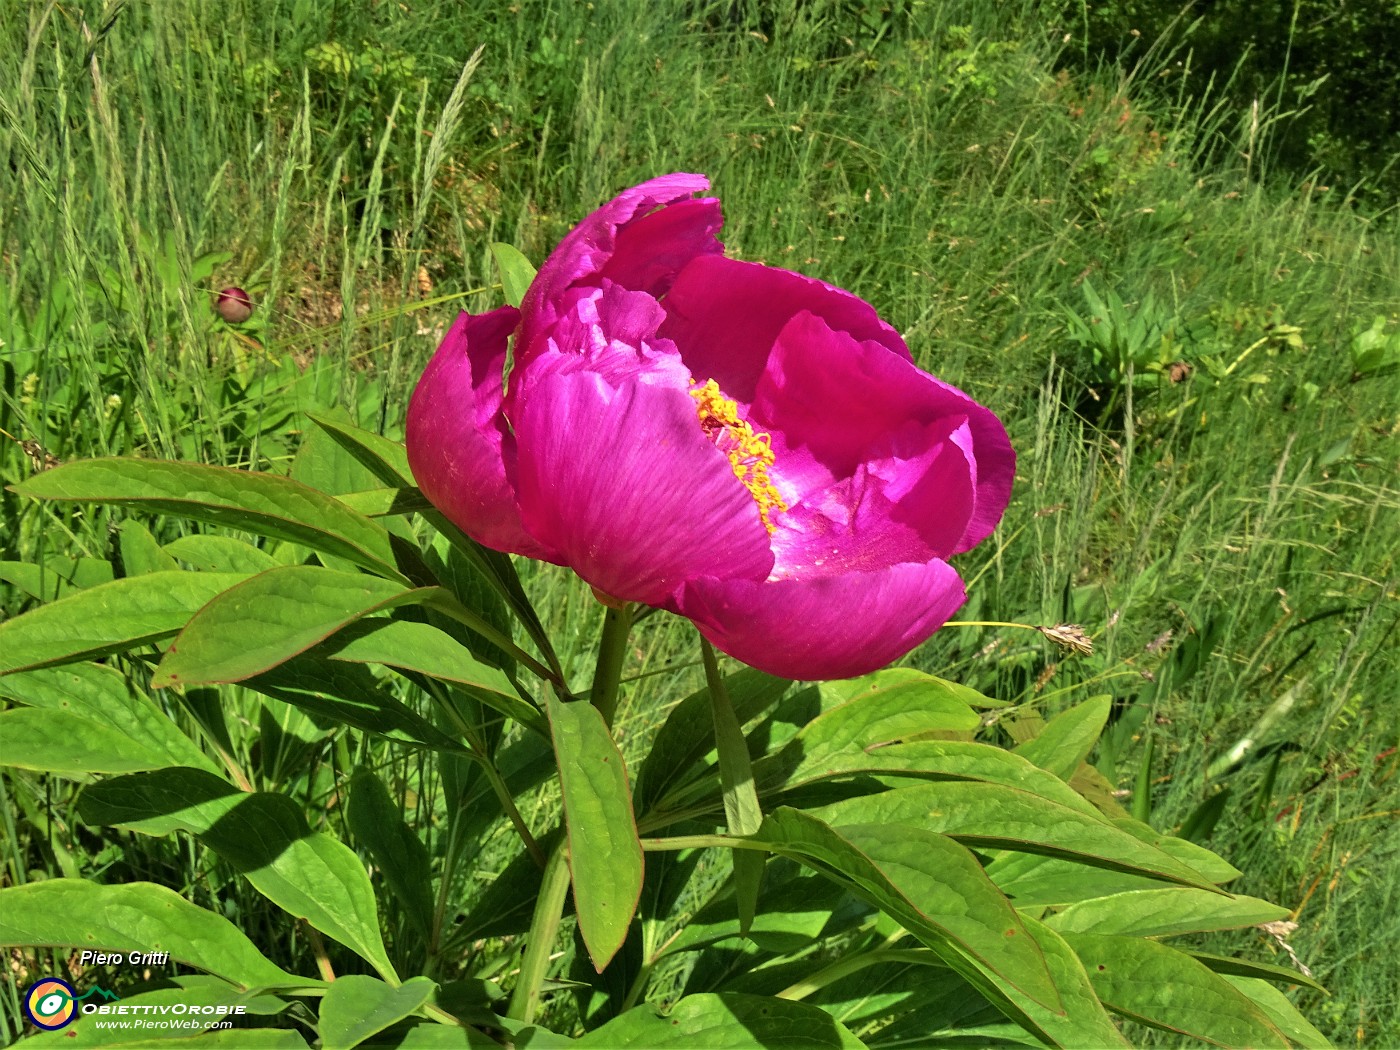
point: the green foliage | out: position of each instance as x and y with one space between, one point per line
1313 62
1374 351
908 829
1224 540
1122 345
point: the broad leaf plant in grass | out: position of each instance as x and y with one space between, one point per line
811 850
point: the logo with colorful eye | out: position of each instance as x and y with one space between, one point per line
50 1004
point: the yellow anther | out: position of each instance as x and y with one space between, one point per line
750 453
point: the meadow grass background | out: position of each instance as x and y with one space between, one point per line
1229 543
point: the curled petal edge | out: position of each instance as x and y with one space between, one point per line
837 626
459 447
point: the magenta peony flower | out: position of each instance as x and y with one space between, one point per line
745 446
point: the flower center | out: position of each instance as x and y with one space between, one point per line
750 454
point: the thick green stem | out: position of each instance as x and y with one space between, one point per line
544 926
612 652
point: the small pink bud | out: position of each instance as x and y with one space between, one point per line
233 305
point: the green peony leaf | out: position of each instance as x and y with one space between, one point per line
994 816
272 617
1164 912
264 836
726 1021
110 618
102 698
605 856
260 503
517 273
1164 988
931 886
356 1007
138 916
377 823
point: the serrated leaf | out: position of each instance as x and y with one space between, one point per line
1164 988
1065 742
605 855
111 618
99 694
996 816
271 617
517 273
1164 912
264 836
931 886
724 1021
138 916
356 1007
377 823
260 503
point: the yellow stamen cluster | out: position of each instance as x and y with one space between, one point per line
750 454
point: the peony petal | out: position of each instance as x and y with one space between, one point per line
995 462
612 331
621 480
891 510
459 446
725 315
829 400
650 251
827 627
624 242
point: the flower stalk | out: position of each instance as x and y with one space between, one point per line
544 927
612 652
554 885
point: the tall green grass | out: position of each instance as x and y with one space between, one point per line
1230 547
